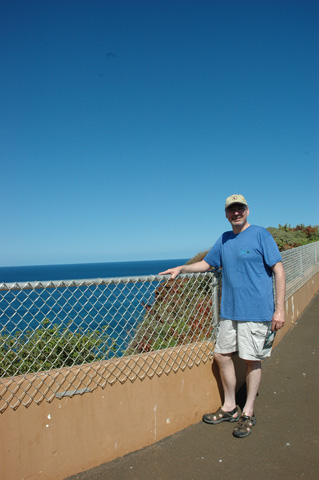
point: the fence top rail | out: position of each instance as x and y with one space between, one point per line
34 285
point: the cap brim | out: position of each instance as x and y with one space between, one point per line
238 203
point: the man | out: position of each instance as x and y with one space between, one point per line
248 256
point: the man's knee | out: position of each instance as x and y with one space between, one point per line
253 364
222 357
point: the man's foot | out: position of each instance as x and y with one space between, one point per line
222 416
244 426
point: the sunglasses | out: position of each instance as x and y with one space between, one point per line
239 209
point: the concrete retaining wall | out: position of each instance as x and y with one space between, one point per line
52 441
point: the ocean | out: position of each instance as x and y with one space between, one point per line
119 308
85 270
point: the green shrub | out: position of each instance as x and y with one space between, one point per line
51 346
288 237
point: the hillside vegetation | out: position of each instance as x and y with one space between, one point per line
288 237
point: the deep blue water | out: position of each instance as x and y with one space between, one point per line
85 270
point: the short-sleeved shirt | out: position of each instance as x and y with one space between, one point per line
246 260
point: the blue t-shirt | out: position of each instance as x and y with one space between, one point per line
246 258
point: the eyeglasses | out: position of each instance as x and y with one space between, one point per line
236 208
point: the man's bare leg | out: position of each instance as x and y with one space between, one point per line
228 378
253 377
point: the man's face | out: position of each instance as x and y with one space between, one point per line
237 215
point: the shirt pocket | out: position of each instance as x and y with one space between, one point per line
249 262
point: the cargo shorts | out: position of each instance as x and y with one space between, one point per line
246 338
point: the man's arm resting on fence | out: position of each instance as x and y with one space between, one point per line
278 319
198 267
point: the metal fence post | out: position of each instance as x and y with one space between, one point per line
216 280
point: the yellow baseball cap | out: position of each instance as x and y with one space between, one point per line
236 198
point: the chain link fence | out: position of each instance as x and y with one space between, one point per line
301 264
68 337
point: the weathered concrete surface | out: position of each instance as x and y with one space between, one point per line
284 443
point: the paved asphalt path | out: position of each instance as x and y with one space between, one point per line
284 443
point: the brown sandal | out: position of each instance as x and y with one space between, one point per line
244 427
221 416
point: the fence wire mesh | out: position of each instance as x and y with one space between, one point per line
301 264
69 337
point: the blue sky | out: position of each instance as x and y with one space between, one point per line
124 125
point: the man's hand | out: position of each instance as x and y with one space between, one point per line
174 272
278 320
201 266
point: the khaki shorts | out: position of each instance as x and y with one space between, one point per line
246 338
